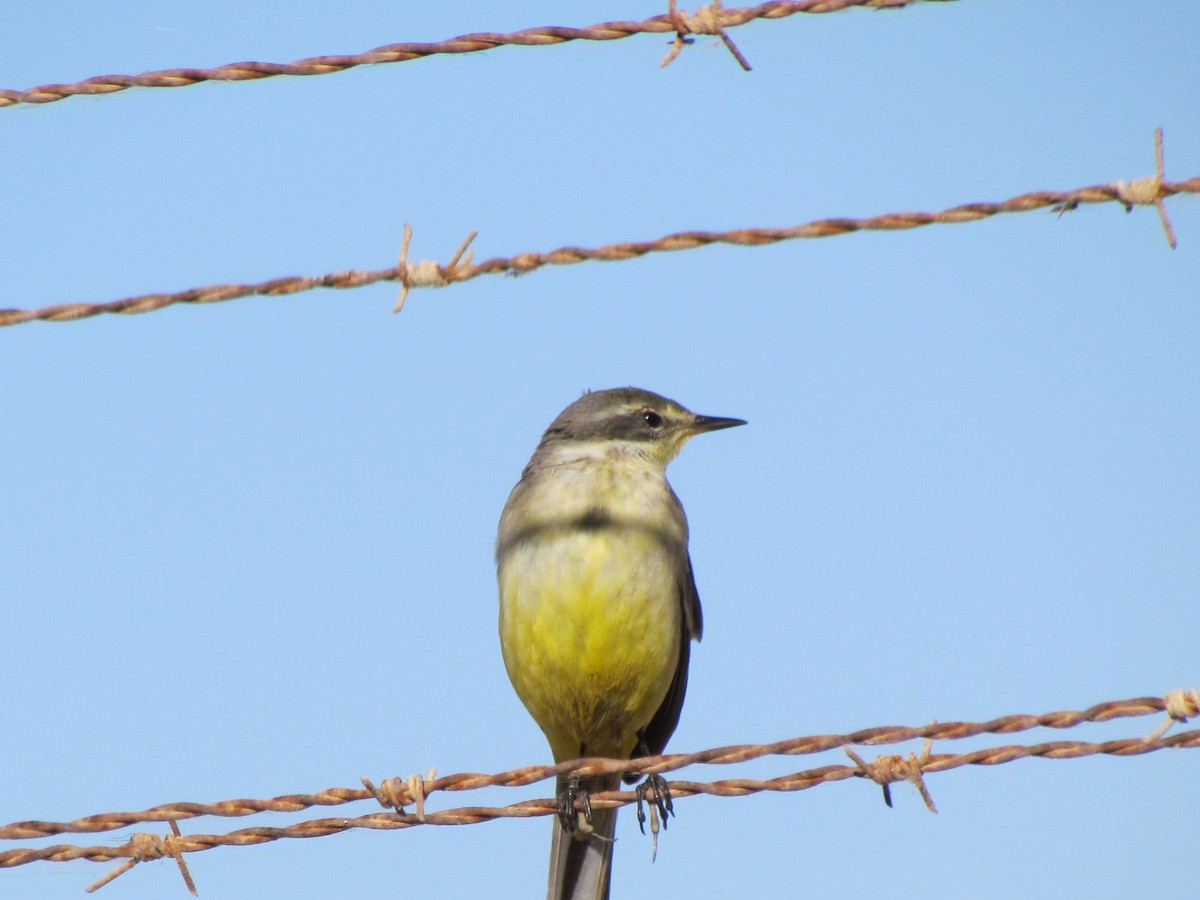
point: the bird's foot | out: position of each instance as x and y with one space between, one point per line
576 821
654 789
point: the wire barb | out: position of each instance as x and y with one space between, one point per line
145 846
706 20
392 793
427 272
1180 706
1146 191
397 793
889 768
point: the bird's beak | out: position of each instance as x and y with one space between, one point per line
714 423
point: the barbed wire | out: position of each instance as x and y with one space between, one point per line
136 847
667 23
525 809
397 793
891 734
1146 191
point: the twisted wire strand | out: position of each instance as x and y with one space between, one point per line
891 734
468 815
391 53
528 262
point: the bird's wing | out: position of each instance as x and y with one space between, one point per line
655 735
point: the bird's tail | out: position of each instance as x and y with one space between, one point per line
580 863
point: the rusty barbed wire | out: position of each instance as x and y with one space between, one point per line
403 52
1151 192
1178 705
396 793
468 815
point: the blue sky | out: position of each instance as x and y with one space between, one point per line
247 547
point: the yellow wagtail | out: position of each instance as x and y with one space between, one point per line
598 604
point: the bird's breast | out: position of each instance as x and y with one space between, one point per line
590 612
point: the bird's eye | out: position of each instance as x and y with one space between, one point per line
651 418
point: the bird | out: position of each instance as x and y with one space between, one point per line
598 605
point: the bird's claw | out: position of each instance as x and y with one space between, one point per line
655 789
573 820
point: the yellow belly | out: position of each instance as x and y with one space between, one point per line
590 625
